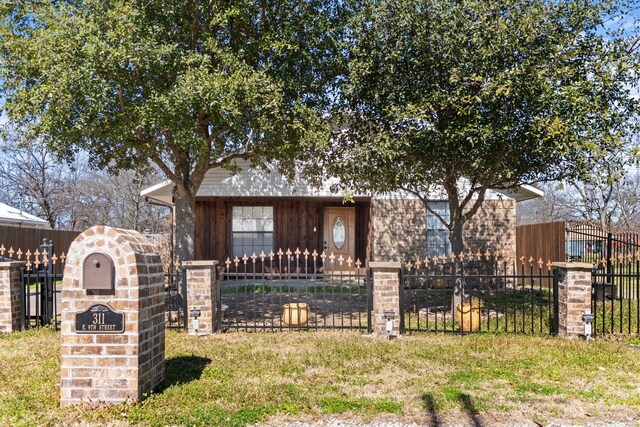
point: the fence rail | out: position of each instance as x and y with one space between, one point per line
294 290
495 295
615 257
40 274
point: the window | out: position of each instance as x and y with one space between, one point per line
252 230
437 233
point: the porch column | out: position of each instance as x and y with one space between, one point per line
11 310
201 295
386 296
574 297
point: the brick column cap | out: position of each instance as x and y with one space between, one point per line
10 264
199 264
385 265
573 265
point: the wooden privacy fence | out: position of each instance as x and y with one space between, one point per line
16 237
541 241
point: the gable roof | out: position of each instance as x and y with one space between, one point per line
14 216
268 182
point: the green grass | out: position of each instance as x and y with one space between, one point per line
617 316
239 379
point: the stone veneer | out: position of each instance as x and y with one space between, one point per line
112 368
201 294
10 297
574 297
386 296
400 229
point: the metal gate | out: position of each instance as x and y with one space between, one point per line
175 288
39 276
497 295
294 291
615 257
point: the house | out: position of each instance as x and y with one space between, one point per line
14 216
258 210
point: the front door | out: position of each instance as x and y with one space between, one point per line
340 233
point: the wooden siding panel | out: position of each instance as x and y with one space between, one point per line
295 220
199 244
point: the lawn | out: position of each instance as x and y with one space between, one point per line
238 379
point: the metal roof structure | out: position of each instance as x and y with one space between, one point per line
14 216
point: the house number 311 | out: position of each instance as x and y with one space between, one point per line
98 318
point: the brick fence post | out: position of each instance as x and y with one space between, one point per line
574 297
11 292
386 296
201 295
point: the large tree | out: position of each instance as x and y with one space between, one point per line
464 96
189 85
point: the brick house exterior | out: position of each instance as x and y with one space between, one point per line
381 228
399 228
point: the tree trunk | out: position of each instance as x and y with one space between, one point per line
185 223
457 245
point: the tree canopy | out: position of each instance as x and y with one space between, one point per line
471 95
188 85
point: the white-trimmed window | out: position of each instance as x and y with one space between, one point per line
251 230
437 233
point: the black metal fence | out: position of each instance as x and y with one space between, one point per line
40 276
615 257
294 291
175 288
494 295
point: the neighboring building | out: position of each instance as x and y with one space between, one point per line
13 216
256 210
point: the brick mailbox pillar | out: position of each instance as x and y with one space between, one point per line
112 306
574 297
386 296
201 296
11 294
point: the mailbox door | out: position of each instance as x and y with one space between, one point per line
98 272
